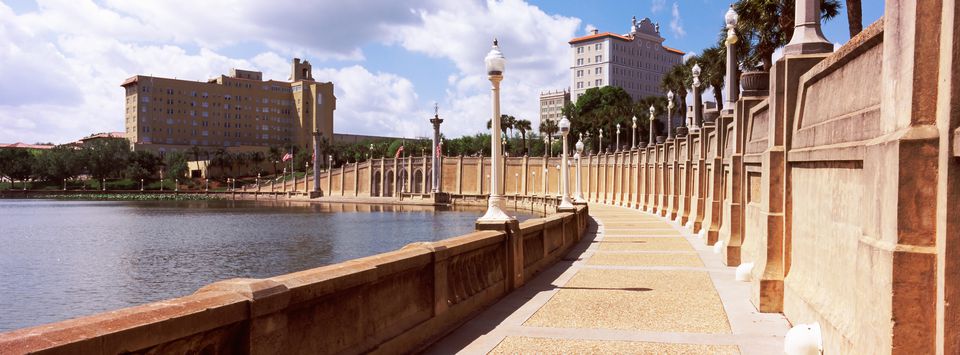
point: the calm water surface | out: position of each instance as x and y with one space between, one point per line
63 259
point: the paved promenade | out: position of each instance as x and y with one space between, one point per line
637 284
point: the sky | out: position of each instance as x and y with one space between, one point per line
62 61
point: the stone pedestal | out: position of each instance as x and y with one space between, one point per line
514 242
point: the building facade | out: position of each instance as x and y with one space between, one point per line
239 112
635 61
551 104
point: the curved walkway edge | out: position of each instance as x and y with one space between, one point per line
636 284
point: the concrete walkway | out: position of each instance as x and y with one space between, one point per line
636 284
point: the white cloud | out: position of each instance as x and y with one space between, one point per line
676 24
589 29
62 64
657 5
535 44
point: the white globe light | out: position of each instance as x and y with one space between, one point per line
495 61
564 125
731 17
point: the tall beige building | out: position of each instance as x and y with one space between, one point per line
634 61
551 104
240 111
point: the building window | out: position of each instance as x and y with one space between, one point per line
599 46
599 82
579 85
598 70
579 62
598 59
579 73
579 49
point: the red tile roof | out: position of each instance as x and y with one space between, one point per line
105 135
677 51
614 35
22 145
598 35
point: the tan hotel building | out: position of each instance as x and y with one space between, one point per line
240 111
551 104
635 61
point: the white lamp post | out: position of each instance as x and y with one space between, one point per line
733 90
564 171
653 143
495 65
633 134
578 197
600 144
670 116
697 103
618 138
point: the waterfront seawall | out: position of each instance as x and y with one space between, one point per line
395 302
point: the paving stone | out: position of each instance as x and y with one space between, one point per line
648 300
623 259
642 243
530 345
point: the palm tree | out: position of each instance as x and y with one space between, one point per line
275 154
854 17
523 126
677 80
257 158
712 64
548 128
766 25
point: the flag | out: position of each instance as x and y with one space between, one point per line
439 151
287 156
399 151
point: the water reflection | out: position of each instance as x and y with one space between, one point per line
62 259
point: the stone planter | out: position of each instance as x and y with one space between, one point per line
682 131
661 139
710 117
755 83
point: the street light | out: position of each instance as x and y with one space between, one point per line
670 116
516 183
600 144
141 184
564 171
697 104
495 65
733 90
618 137
652 143
578 196
633 134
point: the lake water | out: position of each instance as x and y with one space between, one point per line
63 259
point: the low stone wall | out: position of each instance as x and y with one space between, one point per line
395 302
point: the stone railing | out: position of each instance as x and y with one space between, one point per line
836 190
395 302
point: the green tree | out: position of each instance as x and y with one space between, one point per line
141 165
58 164
274 155
17 164
713 70
549 128
523 126
765 25
106 158
257 159
175 164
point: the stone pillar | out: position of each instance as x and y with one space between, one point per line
807 36
436 121
460 174
774 239
948 184
524 173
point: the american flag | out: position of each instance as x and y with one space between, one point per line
399 151
287 156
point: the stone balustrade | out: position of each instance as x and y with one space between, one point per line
395 302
